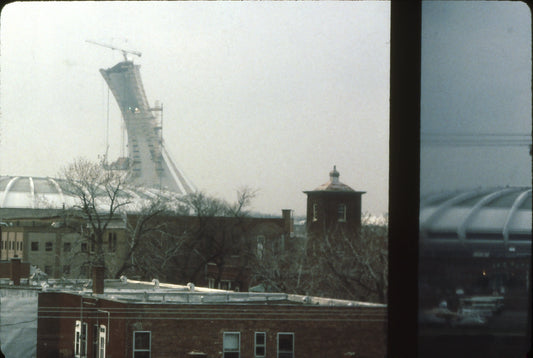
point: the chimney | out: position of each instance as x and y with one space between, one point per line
15 270
288 222
98 279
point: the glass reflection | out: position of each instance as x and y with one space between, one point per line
475 209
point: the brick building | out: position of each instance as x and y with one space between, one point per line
42 238
15 270
333 208
194 322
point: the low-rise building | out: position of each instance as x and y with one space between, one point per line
136 319
333 208
58 243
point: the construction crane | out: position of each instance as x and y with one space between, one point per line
124 52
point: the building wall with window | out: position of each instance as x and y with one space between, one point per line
57 250
333 208
154 326
43 240
11 244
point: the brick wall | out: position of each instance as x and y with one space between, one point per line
176 330
13 269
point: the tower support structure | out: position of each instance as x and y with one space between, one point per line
148 161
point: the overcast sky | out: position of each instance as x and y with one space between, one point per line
476 80
268 95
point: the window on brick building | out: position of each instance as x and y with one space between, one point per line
211 282
102 339
112 241
315 212
83 247
142 344
49 246
285 345
232 344
80 339
67 246
48 270
260 246
95 340
224 285
66 269
341 210
260 344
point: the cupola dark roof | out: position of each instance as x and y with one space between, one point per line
334 184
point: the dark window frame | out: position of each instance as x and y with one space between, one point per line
259 345
283 352
341 212
143 350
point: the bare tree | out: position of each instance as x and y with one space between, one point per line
149 243
279 268
102 197
212 232
335 264
98 198
357 264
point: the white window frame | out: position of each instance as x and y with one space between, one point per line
102 341
256 345
284 353
225 350
260 247
341 209
210 282
80 341
149 350
112 242
221 283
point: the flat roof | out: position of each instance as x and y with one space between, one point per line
143 292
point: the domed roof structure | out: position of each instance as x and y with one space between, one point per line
333 185
32 193
494 219
19 193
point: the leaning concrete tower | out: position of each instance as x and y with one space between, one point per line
148 161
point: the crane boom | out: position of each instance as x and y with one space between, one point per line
124 51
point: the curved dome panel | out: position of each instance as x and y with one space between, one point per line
29 192
494 217
50 193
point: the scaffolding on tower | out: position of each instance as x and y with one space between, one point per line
148 161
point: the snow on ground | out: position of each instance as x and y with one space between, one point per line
18 322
